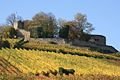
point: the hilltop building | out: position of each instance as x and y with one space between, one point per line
96 41
18 26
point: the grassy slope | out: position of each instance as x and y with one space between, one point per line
67 49
18 61
37 61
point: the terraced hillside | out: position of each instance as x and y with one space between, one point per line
17 61
35 57
7 67
68 49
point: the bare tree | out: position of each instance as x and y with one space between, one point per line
12 18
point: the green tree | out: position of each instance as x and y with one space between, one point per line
79 28
9 32
82 23
36 32
47 22
64 32
27 25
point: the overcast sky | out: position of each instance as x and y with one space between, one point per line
103 14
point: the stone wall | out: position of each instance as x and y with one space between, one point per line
104 48
24 34
48 40
18 25
76 42
98 39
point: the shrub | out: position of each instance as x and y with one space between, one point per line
52 42
45 73
6 44
20 43
9 32
66 71
53 72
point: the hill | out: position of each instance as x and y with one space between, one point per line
88 65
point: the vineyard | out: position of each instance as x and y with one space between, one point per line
34 58
68 49
32 61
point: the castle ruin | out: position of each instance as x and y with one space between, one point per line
96 41
18 26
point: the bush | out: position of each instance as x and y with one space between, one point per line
66 71
53 72
52 42
6 44
20 43
45 73
9 32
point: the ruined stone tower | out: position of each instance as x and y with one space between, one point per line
18 26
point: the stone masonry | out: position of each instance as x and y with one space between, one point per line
18 25
97 41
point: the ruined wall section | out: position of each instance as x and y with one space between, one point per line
25 34
98 39
76 42
108 49
18 25
48 40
